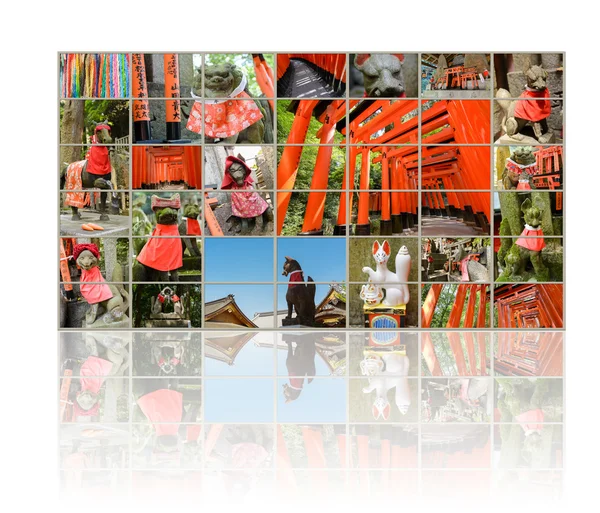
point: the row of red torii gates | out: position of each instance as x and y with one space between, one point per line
381 127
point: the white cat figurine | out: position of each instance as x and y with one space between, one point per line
396 289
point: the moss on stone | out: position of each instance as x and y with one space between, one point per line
510 206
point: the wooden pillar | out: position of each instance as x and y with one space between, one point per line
315 207
429 355
139 89
457 308
470 307
386 219
363 225
482 306
290 158
429 304
172 105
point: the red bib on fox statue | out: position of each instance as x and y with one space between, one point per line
227 117
163 406
98 159
245 201
533 105
163 254
93 373
93 287
536 244
192 226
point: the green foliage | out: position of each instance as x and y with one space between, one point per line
284 126
245 63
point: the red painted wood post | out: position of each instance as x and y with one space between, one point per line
457 308
470 307
290 158
482 306
429 304
429 355
363 225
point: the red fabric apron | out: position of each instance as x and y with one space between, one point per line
226 118
94 292
248 203
93 374
464 269
163 406
531 244
98 160
73 183
531 421
523 185
163 254
534 109
192 226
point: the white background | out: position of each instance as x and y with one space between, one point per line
32 34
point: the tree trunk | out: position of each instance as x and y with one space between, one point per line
71 130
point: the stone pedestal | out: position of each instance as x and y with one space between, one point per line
168 323
381 316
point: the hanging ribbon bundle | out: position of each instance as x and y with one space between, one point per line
95 75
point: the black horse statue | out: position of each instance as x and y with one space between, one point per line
92 173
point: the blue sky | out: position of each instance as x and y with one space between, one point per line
238 259
321 368
323 259
322 401
239 400
250 298
250 361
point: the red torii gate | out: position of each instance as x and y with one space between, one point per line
432 361
156 166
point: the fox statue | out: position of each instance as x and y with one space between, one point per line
395 284
382 381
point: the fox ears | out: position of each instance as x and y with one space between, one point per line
386 247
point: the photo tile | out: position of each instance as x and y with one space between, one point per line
306 355
455 353
170 121
239 400
456 446
531 122
456 75
528 259
166 167
311 400
231 213
94 353
384 168
294 308
383 75
461 259
104 447
526 168
94 122
384 353
321 446
167 305
456 400
382 122
166 75
310 122
311 75
449 213
102 397
168 355
529 402
455 168
451 305
238 167
238 75
94 75
96 305
239 353
384 446
394 213
529 353
311 213
319 168
384 399
235 305
520 74
78 260
528 305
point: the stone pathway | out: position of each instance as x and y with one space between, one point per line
431 226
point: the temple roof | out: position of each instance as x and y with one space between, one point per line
225 313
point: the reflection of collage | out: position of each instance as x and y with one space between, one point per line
323 190
362 411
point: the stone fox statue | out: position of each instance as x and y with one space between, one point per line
382 74
189 229
300 363
108 303
396 288
532 108
470 268
300 296
162 254
93 172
